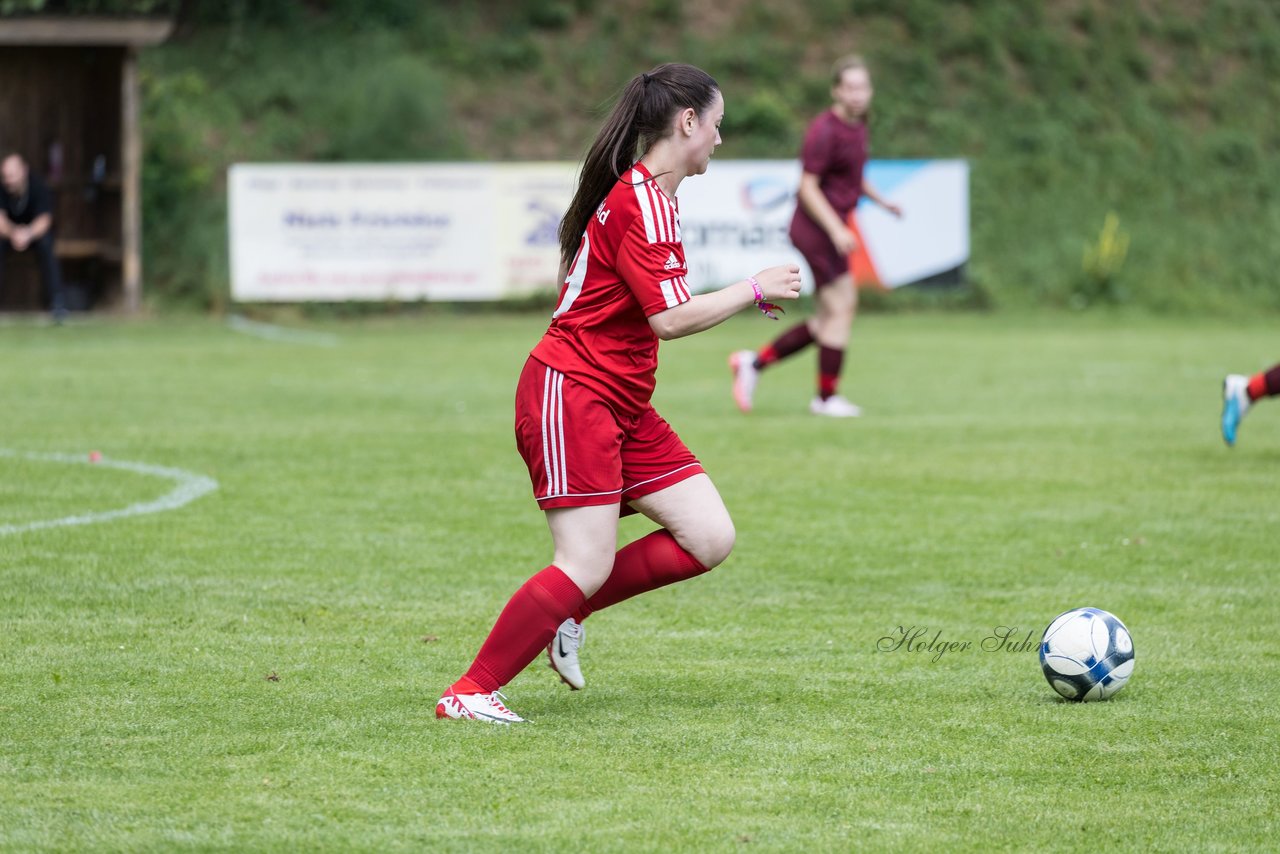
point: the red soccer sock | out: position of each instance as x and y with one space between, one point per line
792 341
1265 384
525 626
650 562
830 361
1257 386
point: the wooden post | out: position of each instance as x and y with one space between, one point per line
131 183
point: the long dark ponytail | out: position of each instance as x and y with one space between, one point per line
641 117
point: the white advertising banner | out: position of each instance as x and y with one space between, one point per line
332 232
458 231
734 221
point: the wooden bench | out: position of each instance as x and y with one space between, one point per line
88 265
86 249
82 261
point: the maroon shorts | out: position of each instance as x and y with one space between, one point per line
581 453
826 263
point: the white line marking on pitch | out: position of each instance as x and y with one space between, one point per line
271 332
190 486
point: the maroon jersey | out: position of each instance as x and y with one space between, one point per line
836 152
630 265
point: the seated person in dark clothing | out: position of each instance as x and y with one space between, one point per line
26 221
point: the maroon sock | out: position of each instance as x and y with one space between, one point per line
650 562
792 341
1271 380
524 627
830 361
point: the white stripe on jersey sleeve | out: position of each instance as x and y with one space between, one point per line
668 293
675 291
645 204
672 218
662 205
670 222
661 222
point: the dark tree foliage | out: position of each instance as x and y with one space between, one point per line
14 8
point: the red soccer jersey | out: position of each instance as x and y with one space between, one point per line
630 265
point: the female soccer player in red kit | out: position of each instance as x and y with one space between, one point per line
831 182
584 425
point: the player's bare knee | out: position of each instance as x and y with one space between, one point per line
589 574
715 543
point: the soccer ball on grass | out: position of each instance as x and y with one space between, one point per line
1086 654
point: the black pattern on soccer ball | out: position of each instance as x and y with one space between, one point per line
1086 654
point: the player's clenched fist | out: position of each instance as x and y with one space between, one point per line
780 282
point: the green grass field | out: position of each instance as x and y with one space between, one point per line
258 668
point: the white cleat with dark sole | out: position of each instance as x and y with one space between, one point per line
562 653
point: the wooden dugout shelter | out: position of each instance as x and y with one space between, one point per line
69 105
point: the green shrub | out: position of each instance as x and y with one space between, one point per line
669 12
551 14
184 232
1103 260
86 7
390 109
761 123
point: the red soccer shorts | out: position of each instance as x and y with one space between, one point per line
581 453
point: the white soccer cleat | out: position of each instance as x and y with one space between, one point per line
835 407
562 653
745 376
1235 403
477 707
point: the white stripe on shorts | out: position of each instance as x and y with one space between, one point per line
553 431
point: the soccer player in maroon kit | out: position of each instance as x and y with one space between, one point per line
594 445
831 182
1239 393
